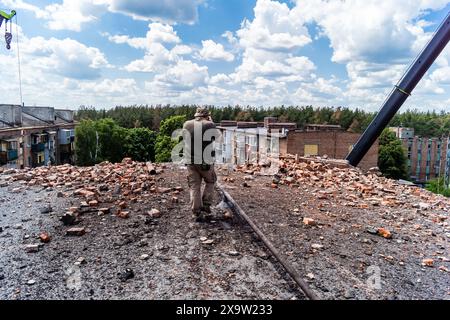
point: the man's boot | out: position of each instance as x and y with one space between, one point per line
199 216
207 209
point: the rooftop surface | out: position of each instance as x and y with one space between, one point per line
335 225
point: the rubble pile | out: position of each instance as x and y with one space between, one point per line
104 188
349 186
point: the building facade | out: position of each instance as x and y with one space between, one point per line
251 141
428 158
331 141
35 136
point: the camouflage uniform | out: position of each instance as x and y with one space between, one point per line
199 168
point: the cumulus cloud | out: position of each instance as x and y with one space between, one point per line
220 78
72 15
171 11
183 76
68 15
273 28
214 51
22 5
52 71
372 42
158 33
376 40
156 59
110 86
368 30
67 57
270 43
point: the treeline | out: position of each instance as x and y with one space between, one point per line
104 140
429 124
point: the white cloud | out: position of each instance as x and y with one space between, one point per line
168 11
372 41
137 43
230 37
214 51
273 28
158 33
183 76
22 5
376 40
371 29
52 72
220 78
270 43
67 57
72 15
441 75
181 50
110 86
156 59
273 66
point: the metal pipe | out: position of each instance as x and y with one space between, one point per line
401 92
292 272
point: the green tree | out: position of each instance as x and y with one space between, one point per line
85 143
140 144
163 148
164 142
111 140
171 124
391 157
438 186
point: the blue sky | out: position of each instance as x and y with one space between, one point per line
255 52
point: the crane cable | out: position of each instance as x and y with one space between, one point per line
18 61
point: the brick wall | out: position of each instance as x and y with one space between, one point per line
335 144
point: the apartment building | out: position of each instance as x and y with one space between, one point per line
35 136
428 158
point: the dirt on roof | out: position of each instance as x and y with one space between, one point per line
125 231
353 235
124 236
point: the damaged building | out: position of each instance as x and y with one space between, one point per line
249 142
35 136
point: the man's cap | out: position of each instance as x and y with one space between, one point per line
202 112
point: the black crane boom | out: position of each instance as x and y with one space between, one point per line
401 92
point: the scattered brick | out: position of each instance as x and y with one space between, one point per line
76 232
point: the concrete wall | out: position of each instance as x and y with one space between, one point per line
64 116
11 114
335 144
35 116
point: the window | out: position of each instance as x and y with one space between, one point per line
311 150
12 145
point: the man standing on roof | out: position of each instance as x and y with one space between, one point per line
199 135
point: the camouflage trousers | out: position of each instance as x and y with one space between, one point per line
195 177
